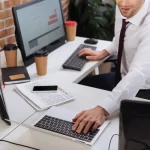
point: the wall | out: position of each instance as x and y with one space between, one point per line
6 20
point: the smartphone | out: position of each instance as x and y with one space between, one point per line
49 88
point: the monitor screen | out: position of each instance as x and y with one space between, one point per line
134 125
3 109
39 24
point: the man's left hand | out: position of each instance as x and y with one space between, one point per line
89 120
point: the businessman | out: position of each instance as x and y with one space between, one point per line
132 44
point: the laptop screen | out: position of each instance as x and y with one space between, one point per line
3 109
134 125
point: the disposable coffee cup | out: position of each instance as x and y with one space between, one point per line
41 58
71 27
11 55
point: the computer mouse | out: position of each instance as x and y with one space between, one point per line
91 41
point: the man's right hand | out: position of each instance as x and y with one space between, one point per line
93 55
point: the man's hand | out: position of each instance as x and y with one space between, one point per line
89 120
93 55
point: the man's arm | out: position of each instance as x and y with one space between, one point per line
127 88
139 72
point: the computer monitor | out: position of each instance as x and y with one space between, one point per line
3 109
39 24
134 125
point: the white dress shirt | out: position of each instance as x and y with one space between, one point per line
135 65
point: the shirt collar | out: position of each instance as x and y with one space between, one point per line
137 18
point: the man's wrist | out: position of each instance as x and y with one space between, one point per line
102 109
102 54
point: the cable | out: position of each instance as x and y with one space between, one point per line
143 143
111 140
20 145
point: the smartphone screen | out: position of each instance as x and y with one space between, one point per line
45 88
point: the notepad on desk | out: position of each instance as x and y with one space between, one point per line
42 101
13 75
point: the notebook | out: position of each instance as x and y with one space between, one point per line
42 101
13 75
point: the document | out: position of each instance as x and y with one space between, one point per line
42 101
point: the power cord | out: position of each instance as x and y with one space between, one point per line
111 140
143 143
20 145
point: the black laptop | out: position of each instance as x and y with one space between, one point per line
3 109
134 125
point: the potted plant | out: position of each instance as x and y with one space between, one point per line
95 19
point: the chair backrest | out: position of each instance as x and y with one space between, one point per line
134 133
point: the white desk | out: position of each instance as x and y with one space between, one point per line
58 57
86 98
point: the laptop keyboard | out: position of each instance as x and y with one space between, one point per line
74 61
64 127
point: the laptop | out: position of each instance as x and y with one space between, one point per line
3 109
134 133
58 121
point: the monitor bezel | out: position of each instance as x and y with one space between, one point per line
3 108
28 60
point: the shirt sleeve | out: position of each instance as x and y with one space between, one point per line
135 79
112 48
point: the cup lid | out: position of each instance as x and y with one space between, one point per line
41 53
9 47
70 23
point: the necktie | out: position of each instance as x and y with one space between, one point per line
120 50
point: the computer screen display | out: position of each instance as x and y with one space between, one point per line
134 125
3 109
38 24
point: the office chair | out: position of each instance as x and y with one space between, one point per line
105 67
112 59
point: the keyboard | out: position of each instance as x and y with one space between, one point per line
63 127
74 61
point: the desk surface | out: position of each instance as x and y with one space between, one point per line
86 97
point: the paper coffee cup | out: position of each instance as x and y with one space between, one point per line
11 55
41 58
71 27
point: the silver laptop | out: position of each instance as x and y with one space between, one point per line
59 121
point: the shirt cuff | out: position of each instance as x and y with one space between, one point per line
110 106
111 49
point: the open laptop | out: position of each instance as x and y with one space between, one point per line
58 121
134 125
3 109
